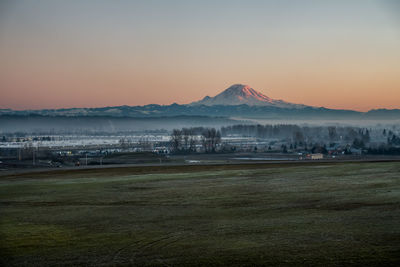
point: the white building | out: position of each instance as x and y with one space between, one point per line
317 156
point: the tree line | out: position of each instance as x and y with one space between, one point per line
186 140
298 134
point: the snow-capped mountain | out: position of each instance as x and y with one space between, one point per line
237 101
239 94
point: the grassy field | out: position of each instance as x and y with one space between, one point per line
272 214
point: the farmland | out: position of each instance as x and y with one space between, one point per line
290 214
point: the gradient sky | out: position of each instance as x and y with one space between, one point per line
76 53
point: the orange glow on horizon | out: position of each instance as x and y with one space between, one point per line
63 54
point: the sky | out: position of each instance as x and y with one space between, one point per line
342 54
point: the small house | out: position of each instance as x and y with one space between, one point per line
317 156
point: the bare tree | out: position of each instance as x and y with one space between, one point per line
332 133
124 143
298 137
176 140
186 133
210 139
192 143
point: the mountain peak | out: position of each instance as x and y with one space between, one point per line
245 93
238 87
241 94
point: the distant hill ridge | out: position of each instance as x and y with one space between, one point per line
236 101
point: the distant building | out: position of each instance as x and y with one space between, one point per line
317 156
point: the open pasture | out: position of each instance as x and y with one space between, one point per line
256 214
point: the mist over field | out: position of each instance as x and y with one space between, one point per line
369 123
107 124
92 125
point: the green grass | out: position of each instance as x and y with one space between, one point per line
294 214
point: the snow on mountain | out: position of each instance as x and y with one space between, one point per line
239 94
